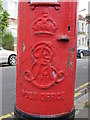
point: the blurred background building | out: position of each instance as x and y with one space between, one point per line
84 28
82 32
88 24
83 24
11 6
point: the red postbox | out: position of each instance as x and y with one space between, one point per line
46 59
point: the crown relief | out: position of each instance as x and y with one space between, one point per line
44 25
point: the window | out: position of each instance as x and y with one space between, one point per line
82 27
82 41
79 26
15 40
79 42
89 29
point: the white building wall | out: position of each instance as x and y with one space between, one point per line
81 39
81 33
12 7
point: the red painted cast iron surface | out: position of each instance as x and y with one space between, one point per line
46 58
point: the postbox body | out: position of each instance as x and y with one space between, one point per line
46 58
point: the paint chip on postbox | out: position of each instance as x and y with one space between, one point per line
32 1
